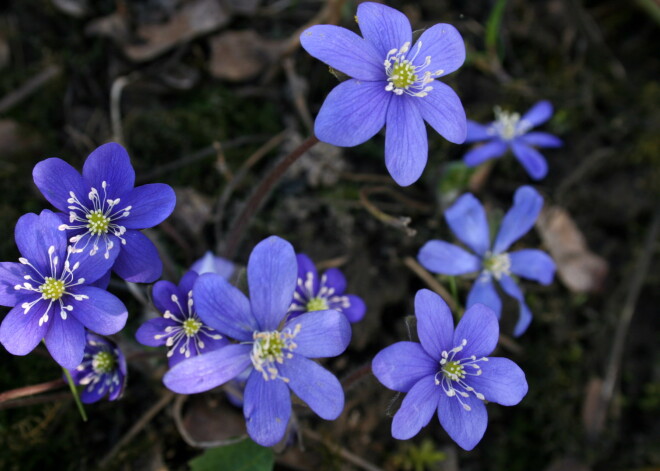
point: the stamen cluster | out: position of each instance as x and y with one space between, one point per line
405 77
270 348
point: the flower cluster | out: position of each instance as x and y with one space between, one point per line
278 354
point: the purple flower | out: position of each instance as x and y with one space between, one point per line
102 371
467 220
209 263
277 356
392 85
449 372
104 212
510 131
314 293
180 328
51 295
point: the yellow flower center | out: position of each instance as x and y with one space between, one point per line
317 304
403 74
97 222
52 289
103 362
191 327
453 370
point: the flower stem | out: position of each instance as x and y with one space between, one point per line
74 391
259 195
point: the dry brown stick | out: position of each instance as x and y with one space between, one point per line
341 451
31 401
642 265
297 92
398 222
260 153
432 283
137 427
31 390
29 87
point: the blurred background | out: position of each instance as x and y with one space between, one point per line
207 94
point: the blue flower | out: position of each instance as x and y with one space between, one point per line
510 131
449 372
51 293
277 356
467 220
314 293
210 263
180 328
102 371
104 212
393 84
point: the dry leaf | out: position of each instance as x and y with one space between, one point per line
592 414
192 20
210 419
75 8
192 211
13 139
4 53
113 26
579 269
244 7
241 55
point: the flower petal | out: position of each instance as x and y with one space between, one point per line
416 409
445 47
102 312
12 274
435 325
223 307
322 333
352 113
345 51
490 150
465 427
92 393
65 340
35 235
152 333
307 271
316 386
335 279
531 159
443 110
403 364
527 204
272 274
533 264
500 381
442 257
138 260
204 372
20 332
267 408
478 132
480 328
162 293
483 292
355 310
187 282
94 267
209 263
102 282
150 205
524 315
537 114
56 179
467 220
541 139
406 144
383 27
109 163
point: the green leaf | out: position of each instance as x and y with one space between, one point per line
242 456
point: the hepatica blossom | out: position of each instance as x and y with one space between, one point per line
102 371
210 263
393 84
50 294
449 372
467 219
103 212
180 328
276 354
319 293
511 131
